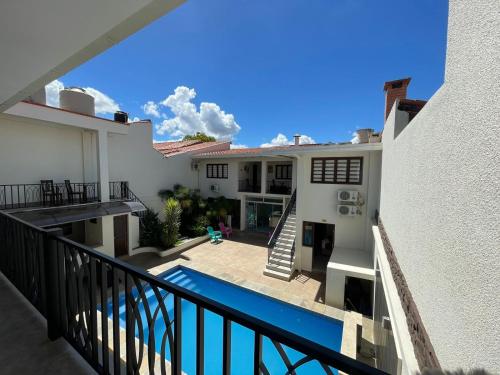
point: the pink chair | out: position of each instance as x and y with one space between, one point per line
225 230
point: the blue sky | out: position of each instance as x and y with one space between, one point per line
267 67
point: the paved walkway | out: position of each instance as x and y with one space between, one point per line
24 346
241 260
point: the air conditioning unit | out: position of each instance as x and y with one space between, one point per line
214 188
347 210
347 195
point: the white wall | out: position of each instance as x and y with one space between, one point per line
318 203
30 153
132 158
440 190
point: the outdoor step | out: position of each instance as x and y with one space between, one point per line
280 259
285 240
282 250
287 235
289 226
277 275
282 256
282 269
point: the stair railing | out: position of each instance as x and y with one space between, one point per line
281 223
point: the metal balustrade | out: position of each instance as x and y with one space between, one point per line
79 290
31 195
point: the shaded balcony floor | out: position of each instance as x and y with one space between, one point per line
24 346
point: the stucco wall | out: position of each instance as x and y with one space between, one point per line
133 159
440 190
30 153
318 203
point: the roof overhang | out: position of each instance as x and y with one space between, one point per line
45 217
46 115
42 40
295 151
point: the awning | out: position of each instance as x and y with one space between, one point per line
61 215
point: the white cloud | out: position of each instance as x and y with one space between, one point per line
355 138
151 108
282 140
52 92
135 119
188 119
103 103
238 146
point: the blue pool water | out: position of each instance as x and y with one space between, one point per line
307 324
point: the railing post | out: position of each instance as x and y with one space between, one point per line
52 284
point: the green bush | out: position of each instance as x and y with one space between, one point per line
151 229
200 226
172 223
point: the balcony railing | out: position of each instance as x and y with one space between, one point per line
81 291
244 186
32 195
283 187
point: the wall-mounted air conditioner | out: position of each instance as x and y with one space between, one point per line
214 188
347 195
347 210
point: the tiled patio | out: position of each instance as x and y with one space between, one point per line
241 260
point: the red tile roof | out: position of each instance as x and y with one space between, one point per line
192 147
254 151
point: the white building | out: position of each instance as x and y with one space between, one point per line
411 224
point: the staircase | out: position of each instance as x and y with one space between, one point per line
281 246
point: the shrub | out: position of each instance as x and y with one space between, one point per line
151 229
200 226
172 224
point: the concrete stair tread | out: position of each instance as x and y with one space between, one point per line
277 275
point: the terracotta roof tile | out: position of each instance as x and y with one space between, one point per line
181 147
254 150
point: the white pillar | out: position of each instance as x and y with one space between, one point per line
103 165
263 177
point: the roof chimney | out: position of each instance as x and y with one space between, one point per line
394 90
296 139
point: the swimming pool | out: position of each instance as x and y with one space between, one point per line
305 323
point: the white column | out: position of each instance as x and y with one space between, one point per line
103 165
263 177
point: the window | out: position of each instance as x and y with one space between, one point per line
307 234
216 170
336 171
283 172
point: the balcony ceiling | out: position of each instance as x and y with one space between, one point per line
42 40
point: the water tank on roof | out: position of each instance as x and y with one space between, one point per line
75 99
121 116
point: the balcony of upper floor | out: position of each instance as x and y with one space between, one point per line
266 177
48 193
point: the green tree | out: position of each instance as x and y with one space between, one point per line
172 223
151 229
199 136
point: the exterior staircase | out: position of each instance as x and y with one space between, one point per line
281 246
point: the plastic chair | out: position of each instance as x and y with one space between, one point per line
225 230
215 235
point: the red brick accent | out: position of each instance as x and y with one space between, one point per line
394 90
422 346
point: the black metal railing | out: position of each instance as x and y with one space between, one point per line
283 187
33 195
84 294
281 223
119 190
244 186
